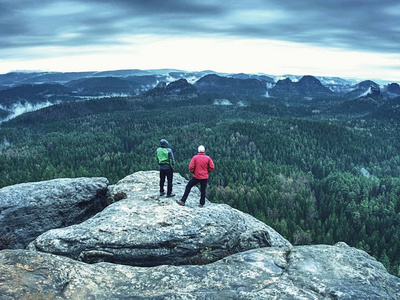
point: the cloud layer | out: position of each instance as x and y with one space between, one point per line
361 24
28 27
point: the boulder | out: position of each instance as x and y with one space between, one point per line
145 229
304 272
29 209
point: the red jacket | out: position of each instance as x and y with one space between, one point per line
201 165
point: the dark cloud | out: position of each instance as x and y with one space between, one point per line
361 24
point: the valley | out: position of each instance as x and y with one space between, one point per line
316 159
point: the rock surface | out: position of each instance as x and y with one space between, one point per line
305 272
156 234
30 209
148 230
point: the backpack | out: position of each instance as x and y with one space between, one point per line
162 156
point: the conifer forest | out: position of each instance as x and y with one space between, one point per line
316 178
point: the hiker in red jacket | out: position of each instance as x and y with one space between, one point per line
199 166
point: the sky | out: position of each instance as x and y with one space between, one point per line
350 39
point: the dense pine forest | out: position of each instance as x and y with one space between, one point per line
314 178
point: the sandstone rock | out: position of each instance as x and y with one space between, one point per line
29 209
306 272
148 230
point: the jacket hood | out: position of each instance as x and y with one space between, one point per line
163 143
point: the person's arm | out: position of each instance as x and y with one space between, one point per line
171 157
192 165
157 157
210 165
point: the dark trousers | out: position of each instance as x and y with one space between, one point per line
166 173
192 182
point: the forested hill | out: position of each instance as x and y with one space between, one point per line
314 177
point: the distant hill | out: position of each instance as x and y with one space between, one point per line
361 89
358 106
71 110
100 86
231 86
13 79
34 94
176 89
393 89
143 83
390 109
307 86
32 90
284 88
20 78
252 76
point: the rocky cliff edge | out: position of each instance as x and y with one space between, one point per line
148 247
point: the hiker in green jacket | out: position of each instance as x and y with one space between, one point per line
166 162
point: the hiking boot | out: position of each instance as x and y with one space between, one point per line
180 202
162 193
171 195
201 205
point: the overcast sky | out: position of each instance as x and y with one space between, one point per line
359 38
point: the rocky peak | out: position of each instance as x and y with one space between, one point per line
209 79
365 88
180 86
310 82
147 230
284 85
143 246
311 86
366 84
249 87
30 209
161 85
285 82
374 91
307 86
393 88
